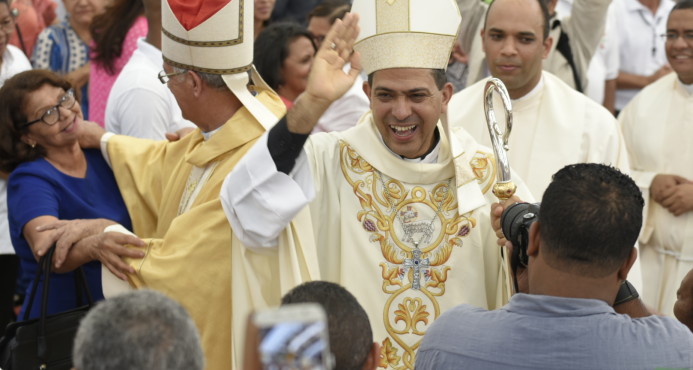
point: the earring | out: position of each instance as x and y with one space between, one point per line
33 145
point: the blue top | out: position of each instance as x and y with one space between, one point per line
39 189
545 332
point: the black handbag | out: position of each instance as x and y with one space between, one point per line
45 342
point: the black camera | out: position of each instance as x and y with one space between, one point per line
515 223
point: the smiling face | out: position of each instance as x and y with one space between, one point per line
406 106
514 45
61 134
296 67
680 50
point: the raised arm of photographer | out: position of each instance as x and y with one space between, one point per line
496 213
327 81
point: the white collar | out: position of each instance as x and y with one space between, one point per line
208 135
688 88
431 157
532 92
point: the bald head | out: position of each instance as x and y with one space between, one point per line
544 12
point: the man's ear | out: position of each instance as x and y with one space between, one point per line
373 357
367 91
625 268
197 86
547 46
534 239
447 92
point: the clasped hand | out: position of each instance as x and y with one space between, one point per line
85 237
673 192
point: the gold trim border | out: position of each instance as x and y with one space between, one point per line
230 71
214 44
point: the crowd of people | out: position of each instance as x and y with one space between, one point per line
337 152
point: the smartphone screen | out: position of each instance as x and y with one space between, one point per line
293 337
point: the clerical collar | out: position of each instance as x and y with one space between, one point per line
688 88
429 157
209 134
533 92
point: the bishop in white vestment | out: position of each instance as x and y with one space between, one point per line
410 237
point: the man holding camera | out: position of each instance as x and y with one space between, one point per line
580 251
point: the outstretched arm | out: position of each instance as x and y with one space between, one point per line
268 184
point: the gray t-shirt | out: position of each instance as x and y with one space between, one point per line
546 332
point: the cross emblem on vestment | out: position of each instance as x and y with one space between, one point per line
416 264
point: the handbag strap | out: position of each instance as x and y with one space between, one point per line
45 270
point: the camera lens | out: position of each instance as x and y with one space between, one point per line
513 218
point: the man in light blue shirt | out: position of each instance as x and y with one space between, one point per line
580 251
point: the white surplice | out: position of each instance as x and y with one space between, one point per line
553 126
658 126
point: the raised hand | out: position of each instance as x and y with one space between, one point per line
327 81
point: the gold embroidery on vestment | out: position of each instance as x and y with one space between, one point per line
397 219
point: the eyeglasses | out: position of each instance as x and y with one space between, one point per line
52 115
673 36
164 77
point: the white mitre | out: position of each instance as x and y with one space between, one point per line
406 33
215 36
416 34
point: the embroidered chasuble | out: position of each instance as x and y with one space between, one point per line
172 193
553 126
392 232
657 126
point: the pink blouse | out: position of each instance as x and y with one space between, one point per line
101 82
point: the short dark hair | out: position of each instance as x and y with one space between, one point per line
13 95
439 77
271 48
543 5
351 337
590 219
682 4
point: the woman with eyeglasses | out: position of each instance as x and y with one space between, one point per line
54 183
12 61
